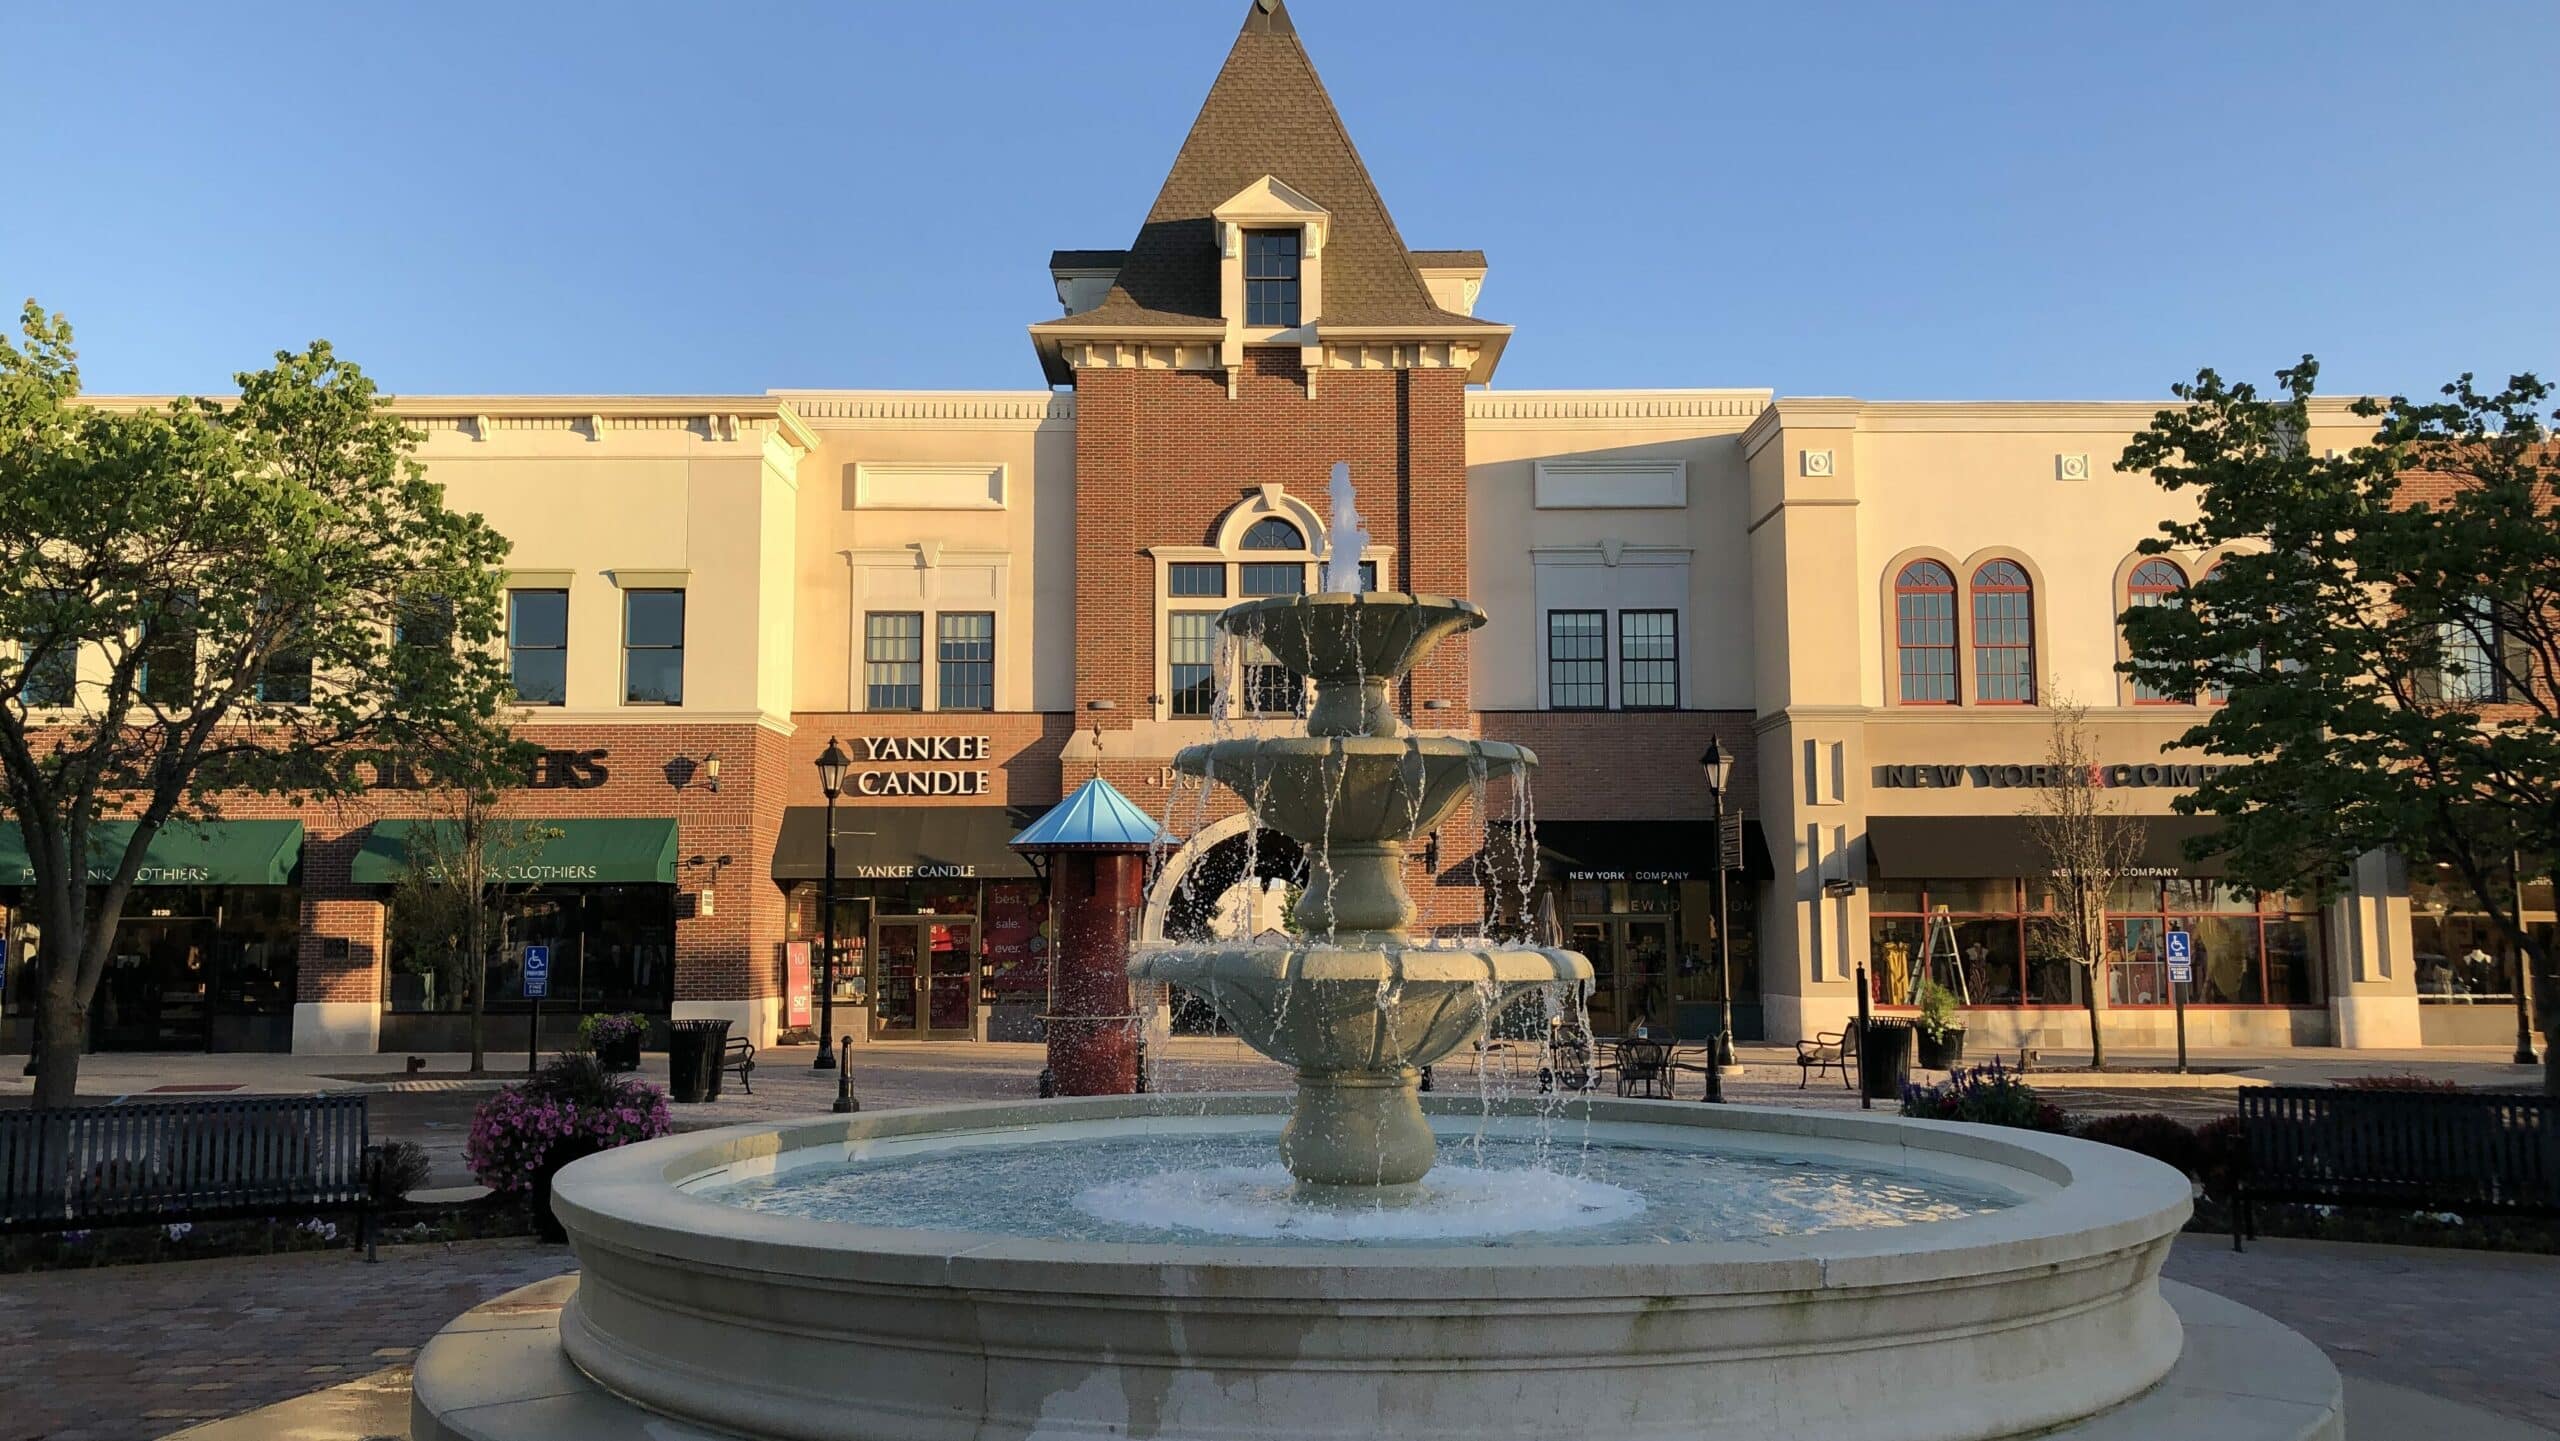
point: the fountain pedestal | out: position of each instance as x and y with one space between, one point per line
1358 1128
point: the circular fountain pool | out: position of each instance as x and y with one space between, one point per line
1777 1273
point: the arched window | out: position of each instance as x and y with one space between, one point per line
1272 533
2004 635
2156 582
1924 608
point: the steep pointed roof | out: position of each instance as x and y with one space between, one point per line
1093 816
1268 114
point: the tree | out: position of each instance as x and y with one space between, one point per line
454 898
2382 640
261 596
2089 845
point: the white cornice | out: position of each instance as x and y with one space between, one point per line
1553 408
1003 409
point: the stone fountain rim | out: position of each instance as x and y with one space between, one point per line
2102 1202
1473 615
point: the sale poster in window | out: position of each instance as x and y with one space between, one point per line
1017 939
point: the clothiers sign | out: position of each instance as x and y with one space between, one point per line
1946 778
936 753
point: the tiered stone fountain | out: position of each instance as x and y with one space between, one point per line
1361 1009
978 1273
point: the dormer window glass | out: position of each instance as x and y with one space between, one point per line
1271 278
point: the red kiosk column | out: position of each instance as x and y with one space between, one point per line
1095 843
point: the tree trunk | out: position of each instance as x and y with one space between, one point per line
2096 999
62 1032
477 959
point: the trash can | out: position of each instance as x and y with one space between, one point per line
1884 1059
693 1060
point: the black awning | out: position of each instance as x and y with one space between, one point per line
1645 850
1963 848
902 843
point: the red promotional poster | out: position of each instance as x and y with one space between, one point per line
795 983
1017 953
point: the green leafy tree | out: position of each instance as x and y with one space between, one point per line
2382 639
457 888
2089 846
257 596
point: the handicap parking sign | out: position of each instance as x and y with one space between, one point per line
2181 953
537 972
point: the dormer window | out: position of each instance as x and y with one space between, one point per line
1271 278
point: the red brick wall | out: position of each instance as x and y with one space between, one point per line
1630 765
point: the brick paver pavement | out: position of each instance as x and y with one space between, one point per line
126 1353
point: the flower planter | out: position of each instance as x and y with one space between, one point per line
619 1055
1944 1052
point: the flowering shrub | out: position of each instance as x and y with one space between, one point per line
1989 1095
574 1108
612 1027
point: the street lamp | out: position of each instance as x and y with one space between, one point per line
1719 769
832 764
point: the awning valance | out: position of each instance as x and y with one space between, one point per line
902 843
568 852
1911 848
185 853
1646 850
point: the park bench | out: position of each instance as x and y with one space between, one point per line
161 1162
1828 1050
739 1055
2462 1152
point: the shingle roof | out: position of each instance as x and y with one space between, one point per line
1449 259
1094 815
1268 114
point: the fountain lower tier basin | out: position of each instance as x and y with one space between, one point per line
1354 788
2031 1314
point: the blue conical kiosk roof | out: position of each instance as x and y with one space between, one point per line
1094 816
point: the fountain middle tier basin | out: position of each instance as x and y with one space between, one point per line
1354 788
993 1317
1322 1008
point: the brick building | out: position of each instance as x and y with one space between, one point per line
988 597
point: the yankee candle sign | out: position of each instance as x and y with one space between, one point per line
2185 777
939 780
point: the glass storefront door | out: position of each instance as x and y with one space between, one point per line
1631 972
924 978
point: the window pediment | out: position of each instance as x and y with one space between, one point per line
1270 203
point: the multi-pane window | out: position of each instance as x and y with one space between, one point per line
2157 582
893 660
2004 635
965 652
1368 575
1272 533
286 677
2469 655
538 645
653 647
52 664
1265 577
1578 659
168 672
421 637
1649 660
1996 947
1192 650
1271 277
1924 617
1196 577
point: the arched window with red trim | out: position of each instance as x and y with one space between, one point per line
2156 582
1924 608
2004 635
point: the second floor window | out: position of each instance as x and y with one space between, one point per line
1924 629
1191 643
965 650
538 645
167 675
653 647
1271 577
893 660
2469 647
1578 659
2157 582
1196 577
1649 659
52 665
286 678
2004 635
1271 277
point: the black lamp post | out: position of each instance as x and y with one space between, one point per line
832 764
1719 769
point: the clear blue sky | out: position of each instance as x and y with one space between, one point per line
1890 200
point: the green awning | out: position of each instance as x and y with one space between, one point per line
571 852
185 853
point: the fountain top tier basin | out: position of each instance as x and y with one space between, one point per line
1353 645
2003 1320
1387 1008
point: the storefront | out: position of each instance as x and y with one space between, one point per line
1964 901
2467 967
1638 899
599 893
206 958
941 931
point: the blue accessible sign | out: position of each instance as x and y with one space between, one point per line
537 972
2181 953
